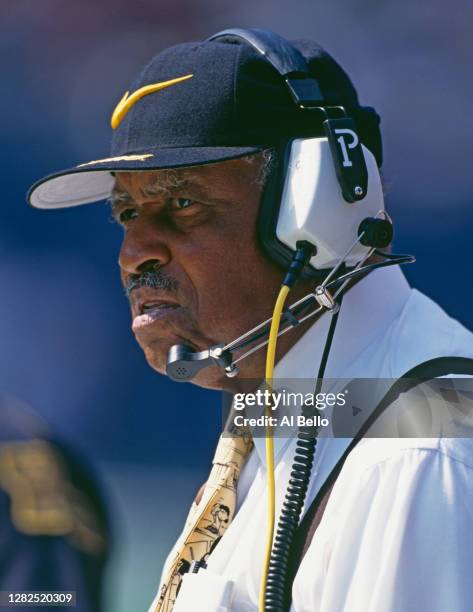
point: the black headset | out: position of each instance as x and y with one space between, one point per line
307 95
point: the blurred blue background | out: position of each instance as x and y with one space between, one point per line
67 348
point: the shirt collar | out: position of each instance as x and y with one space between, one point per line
368 309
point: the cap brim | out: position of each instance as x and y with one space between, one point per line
93 181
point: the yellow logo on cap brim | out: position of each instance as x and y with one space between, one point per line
116 159
127 101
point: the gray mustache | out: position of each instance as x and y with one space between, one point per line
153 279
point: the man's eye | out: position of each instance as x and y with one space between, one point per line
181 203
127 215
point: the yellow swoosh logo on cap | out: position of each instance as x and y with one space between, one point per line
127 101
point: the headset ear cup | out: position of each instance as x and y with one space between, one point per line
270 204
268 215
311 206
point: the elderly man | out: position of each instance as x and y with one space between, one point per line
197 147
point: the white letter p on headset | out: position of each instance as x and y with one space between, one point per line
343 145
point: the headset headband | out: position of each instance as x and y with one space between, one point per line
305 91
285 58
307 94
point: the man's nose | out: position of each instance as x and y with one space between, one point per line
143 247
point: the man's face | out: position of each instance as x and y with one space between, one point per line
190 259
222 515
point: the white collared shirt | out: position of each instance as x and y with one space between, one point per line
397 532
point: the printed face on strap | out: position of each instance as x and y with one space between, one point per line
190 261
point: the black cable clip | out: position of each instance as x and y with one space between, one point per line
290 317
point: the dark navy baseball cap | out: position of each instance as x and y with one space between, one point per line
203 102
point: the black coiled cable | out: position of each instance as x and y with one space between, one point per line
278 588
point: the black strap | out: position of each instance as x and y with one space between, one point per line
434 368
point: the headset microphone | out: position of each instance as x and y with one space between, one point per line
184 363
